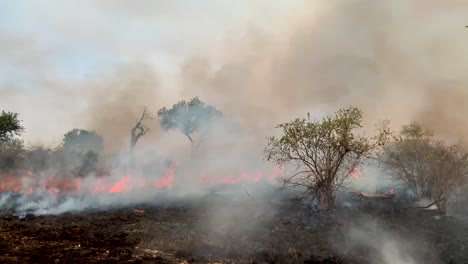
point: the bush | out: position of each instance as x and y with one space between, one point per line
37 158
11 154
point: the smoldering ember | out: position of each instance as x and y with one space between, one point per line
233 132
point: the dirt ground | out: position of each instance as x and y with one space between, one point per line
185 232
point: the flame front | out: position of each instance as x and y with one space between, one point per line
31 184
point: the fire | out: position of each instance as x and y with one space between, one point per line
10 184
122 185
167 180
30 184
356 173
100 187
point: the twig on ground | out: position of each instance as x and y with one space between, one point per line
344 254
246 192
373 196
420 207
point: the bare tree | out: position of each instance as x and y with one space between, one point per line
137 132
324 153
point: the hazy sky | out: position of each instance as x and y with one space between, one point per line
95 64
52 51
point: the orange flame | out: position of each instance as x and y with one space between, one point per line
167 180
58 186
356 173
123 184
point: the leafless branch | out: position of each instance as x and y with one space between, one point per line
138 131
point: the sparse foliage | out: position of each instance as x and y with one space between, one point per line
432 168
10 125
447 169
407 157
188 117
324 153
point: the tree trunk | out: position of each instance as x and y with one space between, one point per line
442 207
326 199
132 161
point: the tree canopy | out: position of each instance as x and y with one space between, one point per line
323 153
10 125
82 141
188 116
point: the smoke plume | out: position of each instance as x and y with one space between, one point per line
396 60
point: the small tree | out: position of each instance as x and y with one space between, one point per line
324 153
81 149
81 141
10 125
11 148
188 117
447 169
432 168
407 157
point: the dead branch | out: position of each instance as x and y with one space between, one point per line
420 207
363 195
139 125
138 131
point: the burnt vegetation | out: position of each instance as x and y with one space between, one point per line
320 216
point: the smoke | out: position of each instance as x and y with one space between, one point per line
396 60
385 245
308 57
117 103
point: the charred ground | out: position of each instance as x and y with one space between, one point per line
181 231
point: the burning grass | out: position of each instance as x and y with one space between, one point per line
118 219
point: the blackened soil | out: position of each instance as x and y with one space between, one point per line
197 233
